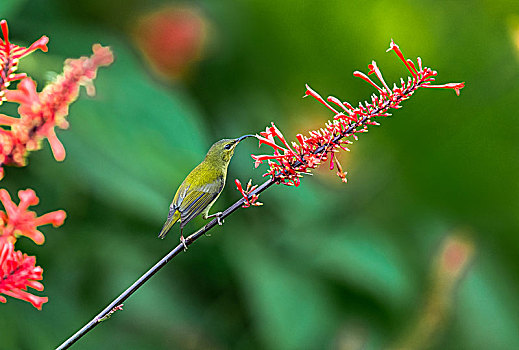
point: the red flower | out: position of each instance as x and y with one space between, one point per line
40 112
10 54
172 38
18 272
288 162
18 221
252 201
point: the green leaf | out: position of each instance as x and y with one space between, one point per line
361 257
289 309
485 309
9 8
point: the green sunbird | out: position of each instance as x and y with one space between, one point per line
201 187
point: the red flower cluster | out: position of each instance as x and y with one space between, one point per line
17 270
40 112
172 38
10 54
17 220
290 161
245 193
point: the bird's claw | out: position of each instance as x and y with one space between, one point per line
219 218
183 241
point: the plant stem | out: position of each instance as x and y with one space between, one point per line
103 315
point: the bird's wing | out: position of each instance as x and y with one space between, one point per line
192 201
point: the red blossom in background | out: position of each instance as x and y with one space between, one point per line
290 160
41 112
172 38
18 271
10 54
17 220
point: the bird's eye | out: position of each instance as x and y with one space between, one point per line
227 146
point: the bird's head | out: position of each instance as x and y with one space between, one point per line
223 150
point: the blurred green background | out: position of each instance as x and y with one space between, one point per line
323 266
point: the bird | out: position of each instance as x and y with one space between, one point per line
202 187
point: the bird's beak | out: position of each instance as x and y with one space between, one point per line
243 137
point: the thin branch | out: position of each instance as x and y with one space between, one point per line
153 270
296 163
190 240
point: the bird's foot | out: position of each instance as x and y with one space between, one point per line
183 241
218 217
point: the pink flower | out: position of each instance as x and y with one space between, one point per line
17 220
18 272
10 54
40 112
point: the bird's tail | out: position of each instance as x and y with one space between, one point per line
169 223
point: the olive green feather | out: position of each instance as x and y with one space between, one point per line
202 186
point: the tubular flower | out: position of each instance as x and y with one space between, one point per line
252 201
18 272
10 54
290 160
40 112
17 220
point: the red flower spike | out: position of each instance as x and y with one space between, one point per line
18 272
9 56
288 163
41 112
17 220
